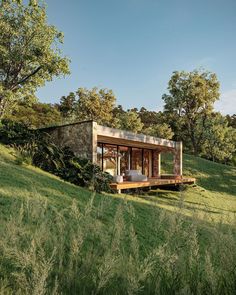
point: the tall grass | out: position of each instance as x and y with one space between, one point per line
44 250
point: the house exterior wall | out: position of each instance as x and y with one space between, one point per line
81 138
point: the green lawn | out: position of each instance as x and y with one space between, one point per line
115 244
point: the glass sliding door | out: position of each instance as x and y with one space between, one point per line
116 159
124 159
99 155
110 159
137 159
147 162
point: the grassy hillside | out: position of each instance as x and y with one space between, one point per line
214 197
58 238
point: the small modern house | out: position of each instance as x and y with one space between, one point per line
118 151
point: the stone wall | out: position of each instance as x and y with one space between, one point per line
81 138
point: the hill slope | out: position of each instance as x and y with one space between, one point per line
50 227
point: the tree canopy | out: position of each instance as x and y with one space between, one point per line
129 120
29 50
160 130
35 115
219 139
190 100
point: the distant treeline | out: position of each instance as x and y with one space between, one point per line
188 115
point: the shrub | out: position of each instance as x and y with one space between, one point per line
37 148
23 156
63 163
14 133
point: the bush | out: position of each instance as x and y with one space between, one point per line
37 147
63 163
23 156
14 133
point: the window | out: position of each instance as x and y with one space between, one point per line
137 159
116 159
147 162
124 158
110 159
99 155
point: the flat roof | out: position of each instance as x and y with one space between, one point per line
123 137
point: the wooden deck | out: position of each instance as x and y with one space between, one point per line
151 183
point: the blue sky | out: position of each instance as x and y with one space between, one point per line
133 46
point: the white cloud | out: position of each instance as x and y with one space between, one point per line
227 103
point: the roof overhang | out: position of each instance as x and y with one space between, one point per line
127 138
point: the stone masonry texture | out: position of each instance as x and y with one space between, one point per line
78 137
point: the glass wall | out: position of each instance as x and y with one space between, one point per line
116 159
124 158
137 159
110 159
99 155
147 162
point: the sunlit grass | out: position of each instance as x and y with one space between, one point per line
115 244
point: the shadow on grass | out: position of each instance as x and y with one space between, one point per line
212 176
176 202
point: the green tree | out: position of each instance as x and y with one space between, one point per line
95 104
231 120
117 111
67 105
191 98
159 130
219 139
35 115
29 51
129 121
150 118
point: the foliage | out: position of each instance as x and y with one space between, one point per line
67 106
95 104
220 140
29 50
190 99
231 120
63 162
129 120
23 154
159 130
35 115
37 147
89 104
150 118
117 111
14 132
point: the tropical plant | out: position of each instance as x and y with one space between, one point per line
36 147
